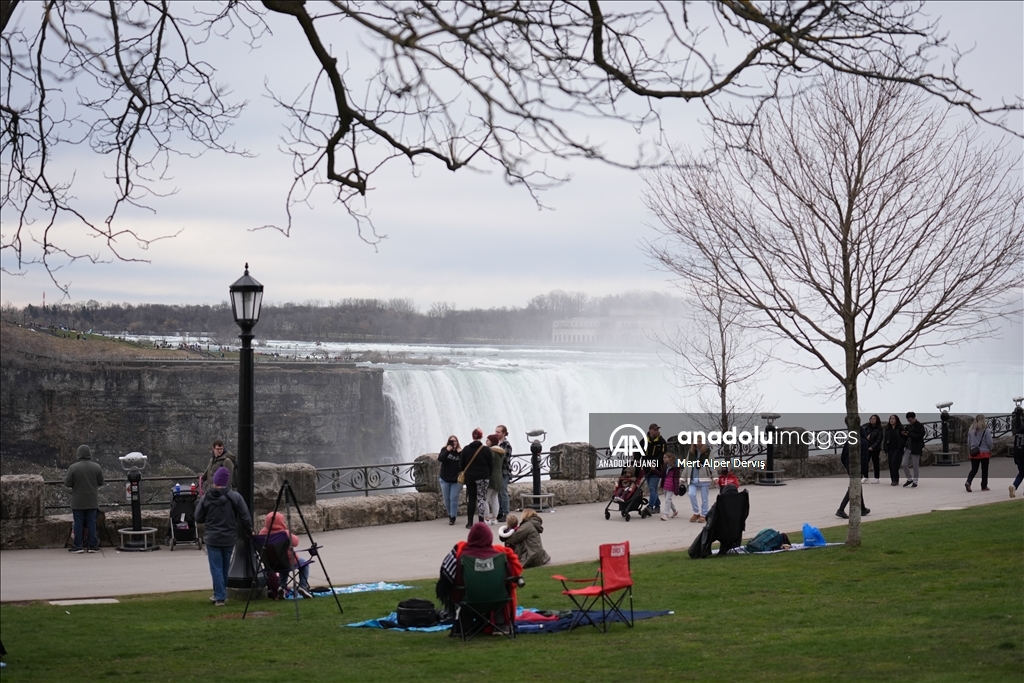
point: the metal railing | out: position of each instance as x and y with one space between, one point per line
385 477
156 492
388 477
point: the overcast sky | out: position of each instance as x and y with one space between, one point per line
466 238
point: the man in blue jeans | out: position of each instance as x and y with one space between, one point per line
506 472
225 514
84 478
654 461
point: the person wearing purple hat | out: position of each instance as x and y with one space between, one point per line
226 515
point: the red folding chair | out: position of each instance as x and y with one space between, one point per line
613 576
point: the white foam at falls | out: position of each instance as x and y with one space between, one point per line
429 403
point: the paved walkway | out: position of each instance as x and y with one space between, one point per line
414 550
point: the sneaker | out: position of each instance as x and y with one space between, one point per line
914 485
675 513
875 480
842 515
451 521
895 483
983 488
865 512
304 592
863 480
664 518
219 603
618 499
213 599
76 551
908 483
1013 492
469 525
501 519
93 550
967 485
702 519
694 517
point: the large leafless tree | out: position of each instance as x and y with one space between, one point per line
457 84
856 223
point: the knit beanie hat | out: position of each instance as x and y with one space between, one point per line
84 452
222 476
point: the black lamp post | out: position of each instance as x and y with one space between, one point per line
246 299
769 478
945 457
535 450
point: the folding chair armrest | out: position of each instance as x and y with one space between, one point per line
559 577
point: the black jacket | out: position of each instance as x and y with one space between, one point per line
871 439
451 465
915 437
655 452
482 464
892 440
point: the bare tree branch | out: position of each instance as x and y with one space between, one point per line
460 84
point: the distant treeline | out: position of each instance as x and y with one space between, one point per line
387 320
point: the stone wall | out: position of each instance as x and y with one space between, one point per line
322 414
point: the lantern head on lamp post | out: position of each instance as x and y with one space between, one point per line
769 479
246 300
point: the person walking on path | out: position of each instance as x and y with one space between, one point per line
84 478
871 446
893 445
670 483
450 486
841 512
475 460
226 516
913 437
655 466
979 447
1018 449
698 475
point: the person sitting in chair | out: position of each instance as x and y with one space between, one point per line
276 524
479 545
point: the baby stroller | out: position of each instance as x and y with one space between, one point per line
629 496
183 519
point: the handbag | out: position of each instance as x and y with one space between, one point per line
462 474
976 450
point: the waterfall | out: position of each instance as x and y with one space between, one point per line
429 403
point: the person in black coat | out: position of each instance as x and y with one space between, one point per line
893 445
841 512
475 460
871 447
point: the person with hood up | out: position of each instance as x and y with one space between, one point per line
478 545
222 510
276 524
84 478
525 539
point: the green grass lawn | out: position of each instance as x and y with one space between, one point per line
934 597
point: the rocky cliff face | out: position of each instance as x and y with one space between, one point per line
316 413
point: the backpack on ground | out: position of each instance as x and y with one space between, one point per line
766 539
417 612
